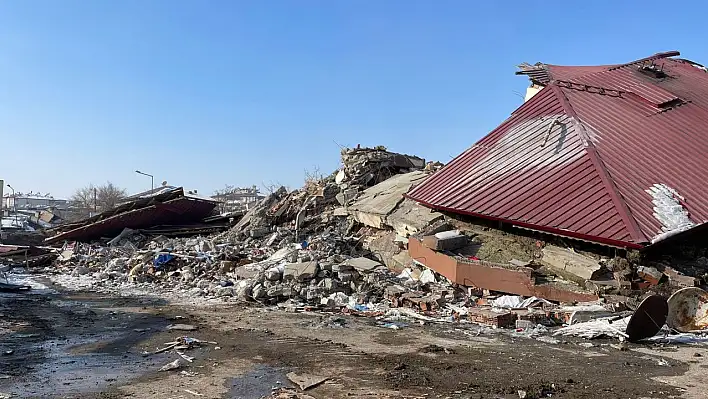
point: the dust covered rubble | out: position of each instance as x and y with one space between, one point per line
296 247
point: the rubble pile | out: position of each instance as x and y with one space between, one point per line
292 246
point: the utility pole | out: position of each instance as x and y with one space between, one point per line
95 200
14 203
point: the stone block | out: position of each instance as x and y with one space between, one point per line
300 271
446 243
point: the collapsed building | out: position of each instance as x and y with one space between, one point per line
588 193
609 155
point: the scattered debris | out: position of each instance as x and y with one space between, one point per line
181 327
170 366
306 381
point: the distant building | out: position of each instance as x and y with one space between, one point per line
238 199
32 201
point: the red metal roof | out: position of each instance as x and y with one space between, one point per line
582 157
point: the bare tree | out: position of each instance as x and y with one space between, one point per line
97 198
228 189
109 195
272 187
312 180
85 197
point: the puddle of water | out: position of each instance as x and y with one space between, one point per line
257 383
78 348
63 371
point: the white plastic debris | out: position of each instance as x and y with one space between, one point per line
170 366
427 277
516 302
597 328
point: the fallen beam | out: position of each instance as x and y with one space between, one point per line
494 277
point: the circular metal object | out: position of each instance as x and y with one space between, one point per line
648 319
688 310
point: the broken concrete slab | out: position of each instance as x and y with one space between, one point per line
341 211
410 218
678 279
301 271
571 265
377 202
363 265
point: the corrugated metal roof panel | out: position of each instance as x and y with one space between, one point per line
519 172
578 161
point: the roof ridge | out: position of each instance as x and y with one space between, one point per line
619 203
657 56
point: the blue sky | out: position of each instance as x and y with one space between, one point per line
208 93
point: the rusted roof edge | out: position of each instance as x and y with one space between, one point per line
657 56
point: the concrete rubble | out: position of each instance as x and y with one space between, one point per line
353 243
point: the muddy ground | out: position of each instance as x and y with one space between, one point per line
79 345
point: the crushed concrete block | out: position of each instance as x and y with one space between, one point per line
227 266
223 292
245 272
448 242
328 284
347 276
80 271
347 196
273 274
275 291
649 274
272 239
258 232
525 324
400 261
342 267
300 271
258 291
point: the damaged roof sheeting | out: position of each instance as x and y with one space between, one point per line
172 207
611 154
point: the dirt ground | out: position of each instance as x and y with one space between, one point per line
79 345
